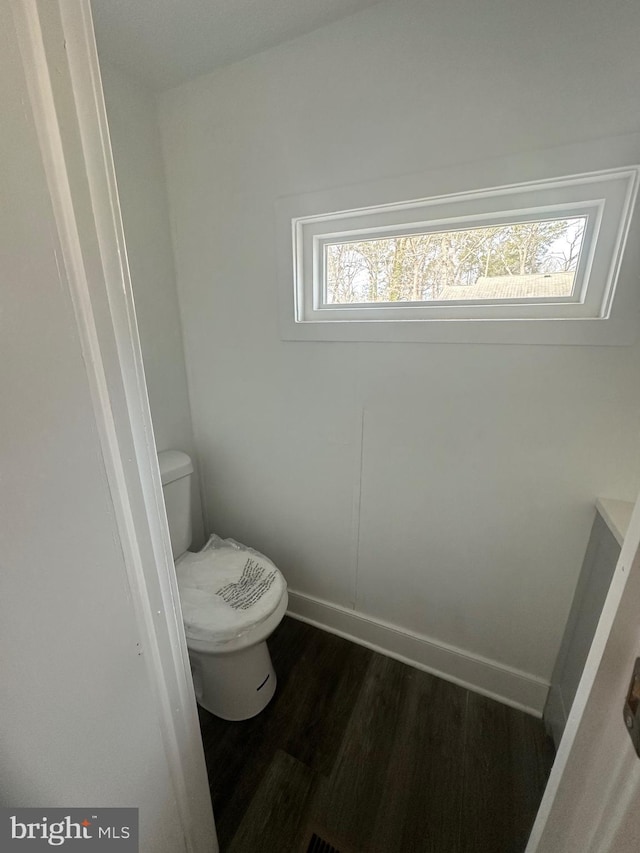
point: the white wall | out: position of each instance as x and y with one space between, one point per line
137 154
445 489
79 723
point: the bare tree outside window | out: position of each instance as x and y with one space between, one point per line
535 260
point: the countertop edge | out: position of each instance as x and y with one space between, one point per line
616 515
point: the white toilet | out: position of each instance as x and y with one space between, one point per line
232 599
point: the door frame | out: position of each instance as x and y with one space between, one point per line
59 57
625 582
61 64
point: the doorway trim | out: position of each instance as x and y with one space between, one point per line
627 569
60 63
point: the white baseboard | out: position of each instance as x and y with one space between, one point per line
503 683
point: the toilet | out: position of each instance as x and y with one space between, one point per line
232 599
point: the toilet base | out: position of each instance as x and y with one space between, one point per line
234 686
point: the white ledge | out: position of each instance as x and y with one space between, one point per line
616 515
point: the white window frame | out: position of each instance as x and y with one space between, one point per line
310 304
605 197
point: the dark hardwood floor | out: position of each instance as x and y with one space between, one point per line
374 757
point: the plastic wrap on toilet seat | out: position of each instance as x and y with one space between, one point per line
226 589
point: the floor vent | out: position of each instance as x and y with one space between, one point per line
319 845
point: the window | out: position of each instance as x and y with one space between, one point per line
534 260
528 254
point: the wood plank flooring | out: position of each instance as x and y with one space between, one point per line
374 756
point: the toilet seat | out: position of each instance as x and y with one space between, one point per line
231 596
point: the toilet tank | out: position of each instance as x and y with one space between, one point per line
175 473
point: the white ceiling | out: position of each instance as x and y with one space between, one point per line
166 42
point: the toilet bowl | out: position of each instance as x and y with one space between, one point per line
232 599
